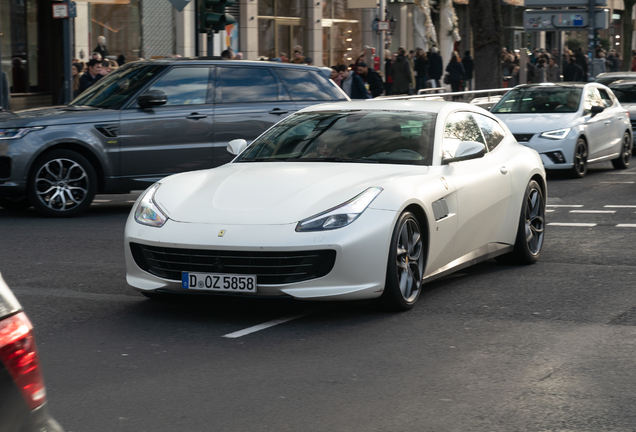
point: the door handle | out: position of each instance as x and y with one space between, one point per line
196 116
608 122
278 111
503 170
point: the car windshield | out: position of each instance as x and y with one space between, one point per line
625 93
347 136
112 91
540 99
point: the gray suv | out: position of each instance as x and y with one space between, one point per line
144 121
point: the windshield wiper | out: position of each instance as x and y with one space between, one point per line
333 159
262 159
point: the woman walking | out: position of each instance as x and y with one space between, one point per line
456 74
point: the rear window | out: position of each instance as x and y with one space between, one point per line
625 94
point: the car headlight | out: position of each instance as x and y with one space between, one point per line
147 211
342 215
558 134
15 133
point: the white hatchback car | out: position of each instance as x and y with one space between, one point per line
571 124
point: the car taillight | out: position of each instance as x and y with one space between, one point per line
20 357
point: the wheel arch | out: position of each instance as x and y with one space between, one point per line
79 149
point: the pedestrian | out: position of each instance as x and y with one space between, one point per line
553 72
514 78
456 74
6 96
389 59
371 79
540 71
410 57
96 56
572 72
91 76
613 61
335 75
353 86
421 69
581 60
401 72
435 66
226 55
298 58
101 47
309 61
469 67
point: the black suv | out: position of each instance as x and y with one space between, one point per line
144 121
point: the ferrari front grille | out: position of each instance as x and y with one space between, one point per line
270 268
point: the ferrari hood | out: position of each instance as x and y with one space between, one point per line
270 193
538 123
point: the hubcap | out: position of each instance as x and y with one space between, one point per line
61 184
410 260
627 149
535 221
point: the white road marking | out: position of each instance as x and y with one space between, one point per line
572 224
626 226
624 173
550 211
620 206
263 326
617 182
101 201
593 211
563 205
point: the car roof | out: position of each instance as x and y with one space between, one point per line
625 82
550 84
615 74
217 61
412 105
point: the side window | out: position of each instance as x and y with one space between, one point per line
592 98
492 131
301 85
246 84
185 86
460 126
330 87
606 98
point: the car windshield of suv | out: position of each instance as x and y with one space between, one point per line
347 136
112 91
625 93
540 99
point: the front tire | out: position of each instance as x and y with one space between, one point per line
580 159
405 268
622 162
62 184
531 230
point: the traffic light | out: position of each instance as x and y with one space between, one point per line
212 15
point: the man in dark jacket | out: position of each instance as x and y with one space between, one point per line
572 72
435 66
401 73
353 86
372 78
91 76
469 67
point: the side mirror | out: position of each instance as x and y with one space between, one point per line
596 110
467 150
152 98
236 146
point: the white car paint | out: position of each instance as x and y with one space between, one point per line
257 206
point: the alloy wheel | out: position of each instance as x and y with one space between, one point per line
580 158
534 220
61 184
409 260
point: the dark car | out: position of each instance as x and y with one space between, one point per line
146 120
625 92
22 393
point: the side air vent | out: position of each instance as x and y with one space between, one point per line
108 130
440 209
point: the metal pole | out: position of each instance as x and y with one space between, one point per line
590 36
68 87
210 43
382 35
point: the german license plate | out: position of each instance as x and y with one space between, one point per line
218 282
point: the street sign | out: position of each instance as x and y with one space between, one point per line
60 10
383 26
563 19
562 3
72 9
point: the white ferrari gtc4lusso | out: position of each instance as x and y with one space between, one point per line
344 201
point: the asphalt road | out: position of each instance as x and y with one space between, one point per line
547 347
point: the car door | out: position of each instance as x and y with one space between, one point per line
596 126
248 100
483 185
174 137
614 119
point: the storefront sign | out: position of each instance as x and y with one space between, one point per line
562 3
563 19
60 10
362 4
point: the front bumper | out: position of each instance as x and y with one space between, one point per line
555 154
359 270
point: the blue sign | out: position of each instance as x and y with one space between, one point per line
577 21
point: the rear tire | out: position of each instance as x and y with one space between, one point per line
405 268
622 161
